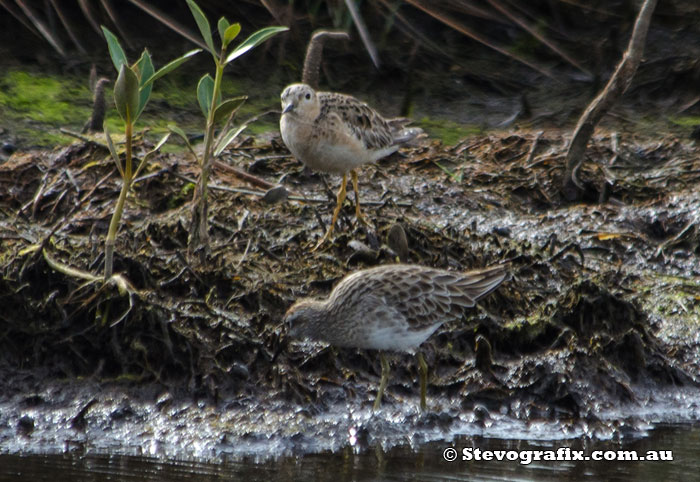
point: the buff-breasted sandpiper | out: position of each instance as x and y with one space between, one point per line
336 133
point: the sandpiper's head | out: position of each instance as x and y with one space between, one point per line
299 99
305 319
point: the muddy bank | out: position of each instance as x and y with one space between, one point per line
600 312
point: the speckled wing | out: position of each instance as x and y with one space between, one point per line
363 122
423 296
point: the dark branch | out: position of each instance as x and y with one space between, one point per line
617 85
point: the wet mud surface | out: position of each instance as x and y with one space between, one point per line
594 335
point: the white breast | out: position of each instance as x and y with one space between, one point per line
391 338
333 151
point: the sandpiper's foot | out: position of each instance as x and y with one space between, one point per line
423 381
325 238
358 213
336 212
383 382
360 218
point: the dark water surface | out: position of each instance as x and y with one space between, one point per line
399 463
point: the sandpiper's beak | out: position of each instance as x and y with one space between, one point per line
289 108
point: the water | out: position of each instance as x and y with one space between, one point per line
398 463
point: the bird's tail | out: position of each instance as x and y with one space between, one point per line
481 282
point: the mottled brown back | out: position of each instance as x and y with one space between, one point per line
363 121
424 296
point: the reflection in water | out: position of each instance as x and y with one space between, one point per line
399 463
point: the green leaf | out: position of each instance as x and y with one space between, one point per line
116 52
143 67
169 67
224 109
228 138
176 130
252 41
150 154
160 144
126 94
203 25
205 92
222 26
144 71
112 150
231 33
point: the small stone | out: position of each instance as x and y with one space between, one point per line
275 194
481 413
397 241
361 253
25 425
501 231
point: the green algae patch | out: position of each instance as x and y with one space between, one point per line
34 106
449 132
43 98
686 121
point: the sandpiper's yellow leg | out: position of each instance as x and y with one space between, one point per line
423 380
339 204
383 382
358 214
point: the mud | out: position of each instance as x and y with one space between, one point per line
596 326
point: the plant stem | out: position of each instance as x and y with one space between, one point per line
199 226
119 208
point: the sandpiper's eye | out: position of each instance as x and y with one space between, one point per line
308 96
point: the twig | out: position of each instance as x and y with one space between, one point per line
676 238
159 172
241 174
70 177
70 30
569 247
617 85
294 197
614 145
475 35
168 22
243 256
533 31
43 28
69 270
89 15
116 20
83 138
37 196
364 33
533 148
77 206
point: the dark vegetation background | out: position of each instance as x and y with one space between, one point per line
428 40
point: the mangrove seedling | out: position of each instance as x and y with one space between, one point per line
216 110
131 93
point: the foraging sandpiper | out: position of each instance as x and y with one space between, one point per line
336 133
393 307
